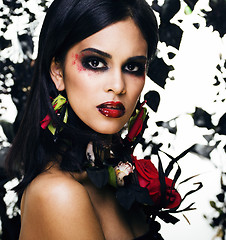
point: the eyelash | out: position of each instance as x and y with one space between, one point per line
87 63
140 68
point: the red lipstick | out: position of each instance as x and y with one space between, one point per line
112 109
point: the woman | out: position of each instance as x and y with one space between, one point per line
89 73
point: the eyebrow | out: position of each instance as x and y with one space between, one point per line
104 54
107 55
137 58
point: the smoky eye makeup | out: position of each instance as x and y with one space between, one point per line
94 63
135 68
96 60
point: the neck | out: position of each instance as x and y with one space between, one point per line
103 151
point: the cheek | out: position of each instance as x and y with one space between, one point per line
134 93
74 58
142 83
143 79
76 62
81 85
137 87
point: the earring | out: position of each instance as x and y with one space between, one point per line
136 122
60 107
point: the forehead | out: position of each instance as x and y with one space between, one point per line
122 37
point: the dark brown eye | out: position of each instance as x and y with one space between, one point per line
136 68
131 67
94 63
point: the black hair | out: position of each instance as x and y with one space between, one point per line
67 22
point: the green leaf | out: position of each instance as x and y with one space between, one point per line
112 177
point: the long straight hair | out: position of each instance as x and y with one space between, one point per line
67 22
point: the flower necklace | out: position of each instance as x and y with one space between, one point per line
138 181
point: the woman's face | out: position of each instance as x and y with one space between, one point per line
104 75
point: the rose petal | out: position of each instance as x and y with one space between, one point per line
45 122
148 177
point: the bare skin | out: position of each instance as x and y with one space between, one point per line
58 205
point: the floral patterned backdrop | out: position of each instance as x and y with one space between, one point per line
194 115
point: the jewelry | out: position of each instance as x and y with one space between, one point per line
60 107
136 123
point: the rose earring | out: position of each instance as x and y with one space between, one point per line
60 107
136 122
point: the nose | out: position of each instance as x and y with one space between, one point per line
116 83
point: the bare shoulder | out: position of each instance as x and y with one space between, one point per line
56 206
55 185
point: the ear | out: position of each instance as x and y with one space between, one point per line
56 73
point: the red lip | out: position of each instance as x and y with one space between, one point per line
112 109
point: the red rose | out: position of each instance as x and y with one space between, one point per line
148 177
137 123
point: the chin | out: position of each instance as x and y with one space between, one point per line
108 129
